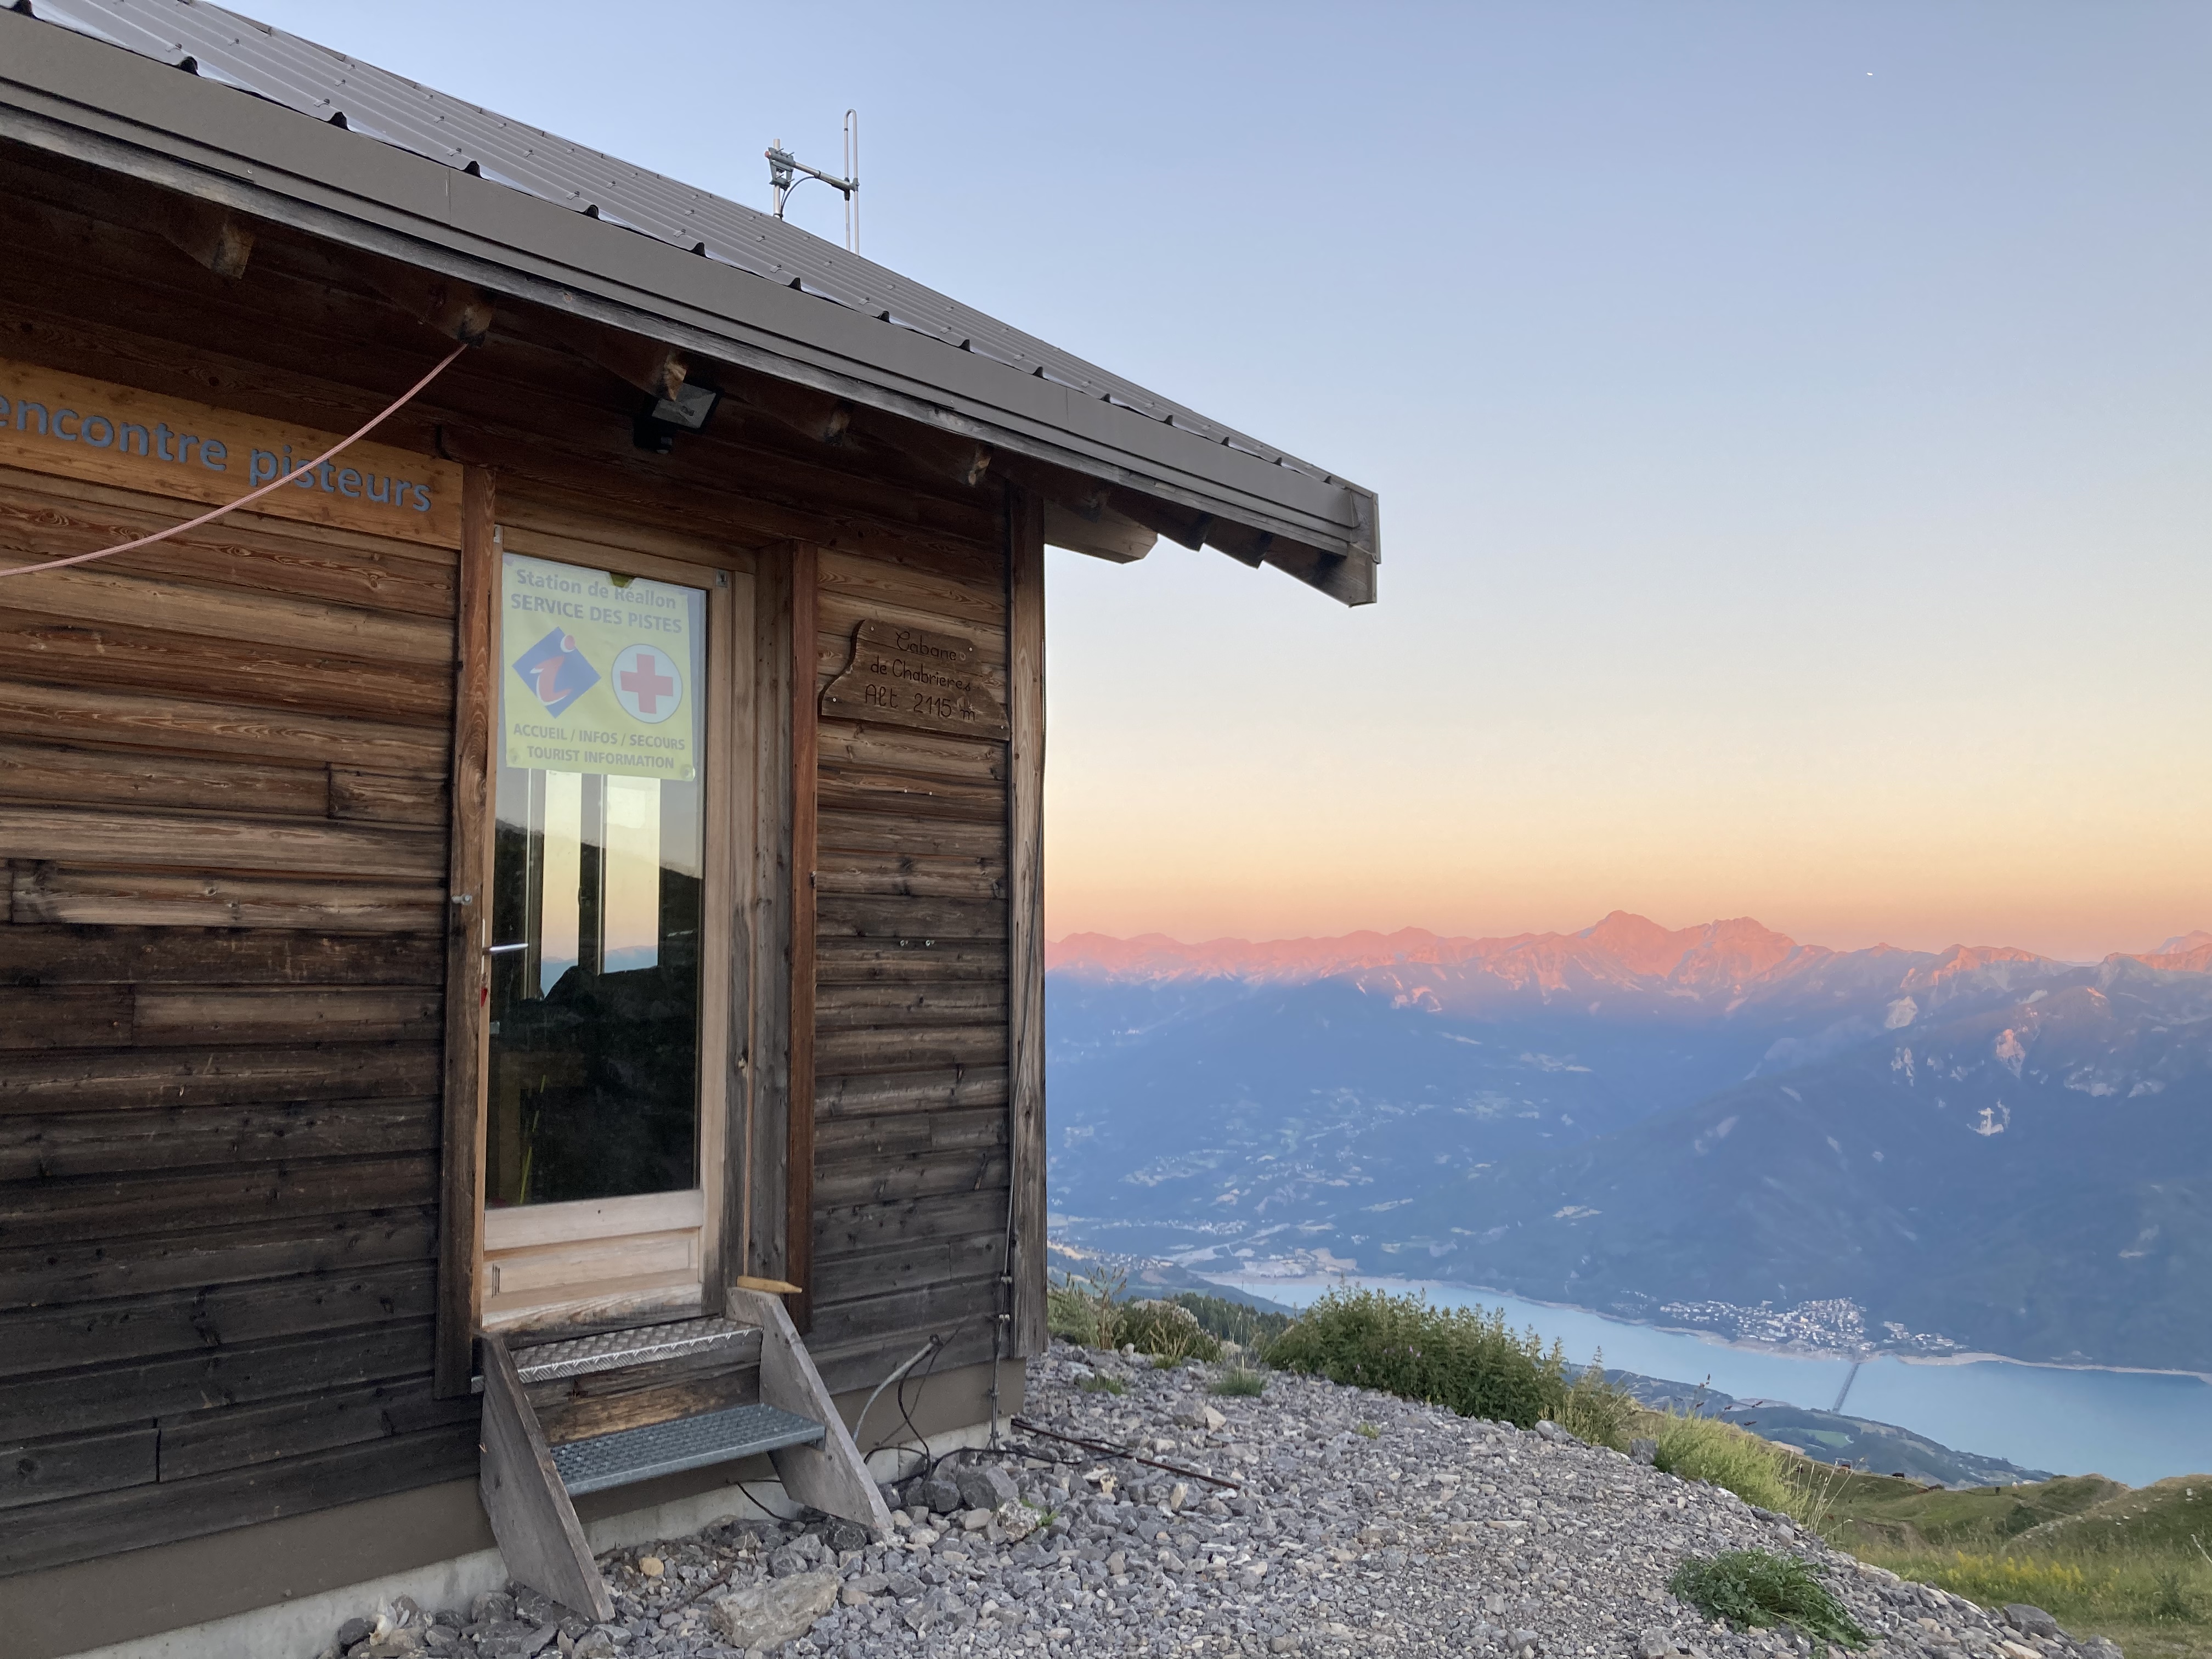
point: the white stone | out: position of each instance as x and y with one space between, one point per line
767 1615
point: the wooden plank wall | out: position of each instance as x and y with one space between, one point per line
223 931
224 818
911 1177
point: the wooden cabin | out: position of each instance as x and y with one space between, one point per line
528 933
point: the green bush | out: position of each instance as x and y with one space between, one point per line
1084 1311
1705 1449
1757 1590
1091 1312
1241 1382
1234 1321
2170 1598
1461 1357
1594 1411
1170 1332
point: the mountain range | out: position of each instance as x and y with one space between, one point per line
1979 1149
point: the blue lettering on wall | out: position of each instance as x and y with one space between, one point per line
163 442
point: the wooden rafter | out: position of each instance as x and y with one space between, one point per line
454 309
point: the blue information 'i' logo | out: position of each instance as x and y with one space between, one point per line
555 671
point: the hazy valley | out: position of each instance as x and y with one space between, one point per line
1978 1149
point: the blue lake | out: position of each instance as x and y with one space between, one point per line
2134 1426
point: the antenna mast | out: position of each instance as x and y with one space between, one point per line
784 168
853 172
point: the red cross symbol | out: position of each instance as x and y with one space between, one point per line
646 684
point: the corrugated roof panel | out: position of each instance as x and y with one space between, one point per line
329 86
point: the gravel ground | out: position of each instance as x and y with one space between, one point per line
1357 1524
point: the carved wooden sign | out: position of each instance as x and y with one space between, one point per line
903 676
107 434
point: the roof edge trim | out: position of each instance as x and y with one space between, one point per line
352 212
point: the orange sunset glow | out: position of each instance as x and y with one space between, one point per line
1383 769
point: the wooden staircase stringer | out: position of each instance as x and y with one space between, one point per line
531 1517
831 1477
527 1486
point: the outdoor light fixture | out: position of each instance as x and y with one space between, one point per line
685 409
689 408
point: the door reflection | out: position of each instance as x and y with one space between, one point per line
596 888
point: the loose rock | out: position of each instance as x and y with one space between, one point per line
782 1610
1323 1521
2031 1621
985 1486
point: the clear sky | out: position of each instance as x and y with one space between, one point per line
1794 428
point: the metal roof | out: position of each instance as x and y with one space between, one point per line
329 86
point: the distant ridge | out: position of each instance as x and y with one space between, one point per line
1978 1149
2191 953
1624 949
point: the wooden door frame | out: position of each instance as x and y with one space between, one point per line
806 853
773 1235
468 939
1025 713
731 832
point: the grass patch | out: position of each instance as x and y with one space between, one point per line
1082 1311
1240 1382
1091 1312
1706 1448
1757 1590
1368 1431
2104 1560
1113 1385
1593 1410
1462 1358
2149 1605
1994 1580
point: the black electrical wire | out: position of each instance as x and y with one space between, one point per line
929 1461
914 1436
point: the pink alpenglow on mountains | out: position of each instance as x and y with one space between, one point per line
2191 953
1624 951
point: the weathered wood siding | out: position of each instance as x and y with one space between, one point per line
911 1168
223 769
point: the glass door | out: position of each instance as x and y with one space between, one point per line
594 1199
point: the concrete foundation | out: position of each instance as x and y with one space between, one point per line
280 1589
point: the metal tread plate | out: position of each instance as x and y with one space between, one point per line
688 1443
608 1351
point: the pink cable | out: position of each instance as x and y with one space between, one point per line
211 516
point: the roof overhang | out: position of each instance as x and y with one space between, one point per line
70 94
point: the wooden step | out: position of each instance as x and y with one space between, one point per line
688 1443
527 1484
